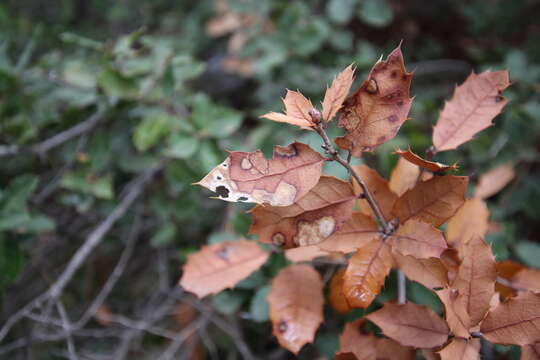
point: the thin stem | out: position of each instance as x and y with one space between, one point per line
402 288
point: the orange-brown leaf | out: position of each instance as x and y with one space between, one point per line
518 277
249 177
336 94
352 340
310 220
366 273
470 221
355 233
376 111
494 180
296 306
472 108
475 282
516 321
403 177
425 164
388 349
418 239
305 253
456 314
411 325
461 349
335 294
433 201
429 272
378 187
220 266
530 352
297 108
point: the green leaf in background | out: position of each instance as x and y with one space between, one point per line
529 253
221 236
100 187
12 260
164 236
14 197
209 156
214 120
327 344
255 280
258 309
421 295
376 13
117 85
181 146
340 11
227 302
151 129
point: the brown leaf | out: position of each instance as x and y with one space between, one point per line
472 108
518 277
429 272
471 220
461 349
515 321
430 354
305 253
425 164
494 180
404 177
220 266
376 111
475 282
366 273
335 294
355 233
388 349
336 94
249 177
418 239
411 325
527 279
530 352
450 259
378 187
433 201
296 306
456 314
352 340
297 108
310 220
345 356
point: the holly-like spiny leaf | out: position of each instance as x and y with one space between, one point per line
494 181
379 189
297 111
336 94
423 163
404 176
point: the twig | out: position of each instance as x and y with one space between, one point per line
181 337
67 330
85 250
402 287
510 284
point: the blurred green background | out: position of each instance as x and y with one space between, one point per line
175 83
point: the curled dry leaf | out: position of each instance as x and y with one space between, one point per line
515 321
494 181
429 272
461 349
353 340
433 201
336 94
530 352
297 108
335 294
310 220
516 278
471 220
296 306
456 314
472 108
249 177
404 176
355 233
220 266
379 189
376 111
366 273
425 164
418 239
411 325
475 281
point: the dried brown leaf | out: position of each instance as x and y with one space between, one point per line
355 233
425 164
418 239
456 314
516 278
305 253
376 111
366 273
530 352
353 340
461 349
310 220
471 220
516 321
388 349
429 272
472 108
411 325
297 108
220 266
433 201
336 299
336 94
249 177
296 306
404 176
378 187
494 181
